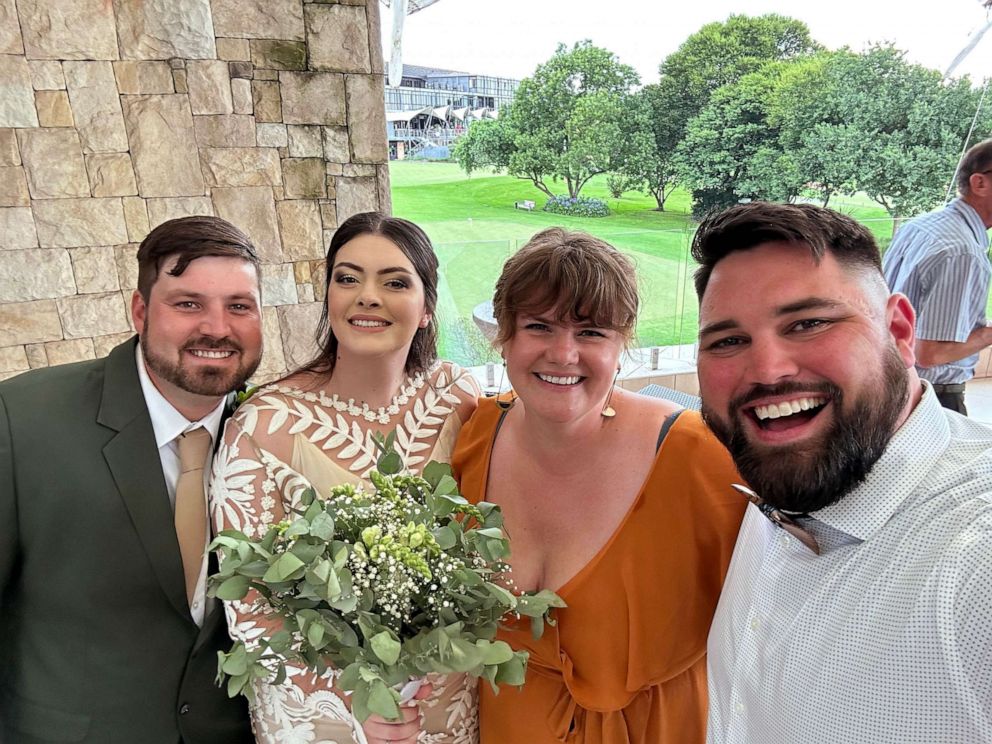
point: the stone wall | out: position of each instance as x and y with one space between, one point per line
116 115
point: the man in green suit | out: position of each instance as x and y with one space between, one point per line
106 633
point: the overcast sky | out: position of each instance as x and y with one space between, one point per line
510 38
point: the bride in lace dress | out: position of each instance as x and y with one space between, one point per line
376 373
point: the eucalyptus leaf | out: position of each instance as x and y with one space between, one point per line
434 471
386 647
390 463
284 567
233 588
382 701
513 671
497 652
322 527
446 537
315 635
297 528
446 486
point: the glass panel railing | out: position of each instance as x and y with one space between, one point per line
668 316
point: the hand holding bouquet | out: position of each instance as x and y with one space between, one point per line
385 585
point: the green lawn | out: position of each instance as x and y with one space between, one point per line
474 227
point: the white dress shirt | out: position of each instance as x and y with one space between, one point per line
168 424
885 638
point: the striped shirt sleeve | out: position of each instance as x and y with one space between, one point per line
953 297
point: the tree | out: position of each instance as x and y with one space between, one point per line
567 121
880 125
717 55
731 151
649 163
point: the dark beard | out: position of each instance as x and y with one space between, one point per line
202 381
809 476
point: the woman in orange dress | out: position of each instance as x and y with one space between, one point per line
619 502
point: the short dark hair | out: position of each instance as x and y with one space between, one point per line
582 277
189 238
416 246
976 160
817 229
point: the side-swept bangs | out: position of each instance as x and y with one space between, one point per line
567 276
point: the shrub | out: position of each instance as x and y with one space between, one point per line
577 206
618 184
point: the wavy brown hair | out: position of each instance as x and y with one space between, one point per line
579 277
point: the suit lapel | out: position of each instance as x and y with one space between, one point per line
132 457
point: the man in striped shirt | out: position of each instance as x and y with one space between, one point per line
940 261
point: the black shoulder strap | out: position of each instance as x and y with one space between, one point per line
665 426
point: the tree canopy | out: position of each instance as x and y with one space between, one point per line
568 121
748 108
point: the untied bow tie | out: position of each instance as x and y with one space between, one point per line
777 516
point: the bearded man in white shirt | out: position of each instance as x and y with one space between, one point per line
858 604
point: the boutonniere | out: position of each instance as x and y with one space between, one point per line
241 396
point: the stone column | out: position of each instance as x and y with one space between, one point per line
117 116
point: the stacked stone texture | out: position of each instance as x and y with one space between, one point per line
117 116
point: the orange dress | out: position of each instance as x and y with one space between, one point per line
626 661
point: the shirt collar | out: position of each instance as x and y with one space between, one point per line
972 217
908 457
167 422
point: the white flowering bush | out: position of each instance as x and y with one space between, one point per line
385 585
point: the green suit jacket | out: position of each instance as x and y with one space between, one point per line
96 639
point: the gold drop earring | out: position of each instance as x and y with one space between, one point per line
608 410
504 405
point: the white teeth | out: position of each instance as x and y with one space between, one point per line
787 408
559 380
211 354
369 323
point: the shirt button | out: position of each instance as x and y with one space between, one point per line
184 709
196 605
739 707
755 623
784 540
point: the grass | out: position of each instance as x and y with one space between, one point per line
474 228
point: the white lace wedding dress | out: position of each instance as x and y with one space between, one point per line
278 442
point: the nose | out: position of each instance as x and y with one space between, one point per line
369 295
214 322
563 349
771 361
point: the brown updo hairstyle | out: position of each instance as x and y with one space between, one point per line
417 247
580 278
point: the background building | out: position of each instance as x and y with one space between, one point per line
432 107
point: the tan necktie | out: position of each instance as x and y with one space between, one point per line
191 504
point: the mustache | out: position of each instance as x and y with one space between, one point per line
214 344
759 391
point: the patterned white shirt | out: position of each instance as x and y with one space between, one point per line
884 638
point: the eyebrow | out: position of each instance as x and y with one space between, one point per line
808 303
551 321
387 270
171 294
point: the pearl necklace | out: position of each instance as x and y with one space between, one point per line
383 414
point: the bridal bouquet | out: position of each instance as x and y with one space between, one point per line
385 584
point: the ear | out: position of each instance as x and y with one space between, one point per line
426 320
139 311
979 184
901 321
